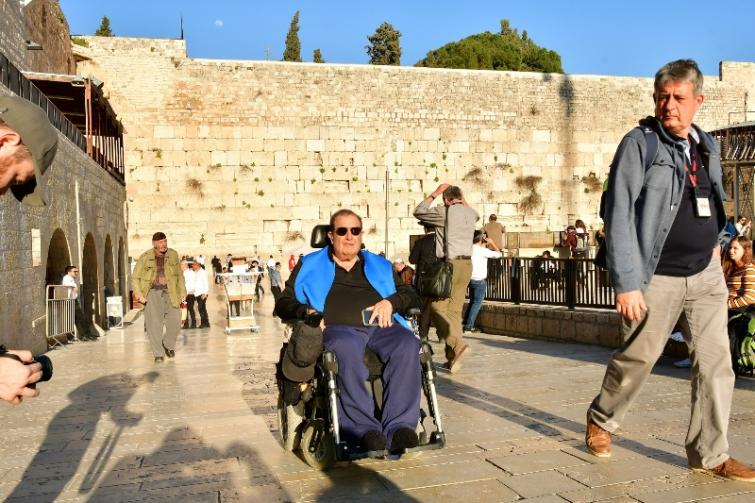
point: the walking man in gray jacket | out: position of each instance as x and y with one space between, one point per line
663 226
462 221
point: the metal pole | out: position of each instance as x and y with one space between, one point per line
78 229
387 201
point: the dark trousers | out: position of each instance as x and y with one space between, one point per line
202 306
190 307
84 330
476 296
276 292
398 348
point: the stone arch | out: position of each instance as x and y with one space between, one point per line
122 285
108 268
58 257
91 297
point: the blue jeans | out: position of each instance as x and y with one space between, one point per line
476 296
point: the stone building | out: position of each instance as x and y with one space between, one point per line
84 222
246 156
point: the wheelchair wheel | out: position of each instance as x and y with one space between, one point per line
323 455
290 419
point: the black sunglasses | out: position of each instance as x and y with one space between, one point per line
355 231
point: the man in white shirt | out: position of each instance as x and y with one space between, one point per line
201 289
480 256
190 281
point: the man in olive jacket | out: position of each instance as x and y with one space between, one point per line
159 285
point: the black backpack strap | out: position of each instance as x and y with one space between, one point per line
651 142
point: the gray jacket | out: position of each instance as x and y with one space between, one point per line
462 221
641 206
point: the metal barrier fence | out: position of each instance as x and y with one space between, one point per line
566 282
60 314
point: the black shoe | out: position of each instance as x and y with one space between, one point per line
373 441
170 353
159 359
205 326
403 438
193 325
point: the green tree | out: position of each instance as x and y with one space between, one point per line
317 57
293 47
104 29
384 48
506 50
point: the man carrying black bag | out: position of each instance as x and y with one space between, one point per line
454 224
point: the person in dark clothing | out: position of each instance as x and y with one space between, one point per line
360 298
423 252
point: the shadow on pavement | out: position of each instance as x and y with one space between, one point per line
539 421
52 468
184 465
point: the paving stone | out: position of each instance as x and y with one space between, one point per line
535 462
614 472
701 492
480 491
538 484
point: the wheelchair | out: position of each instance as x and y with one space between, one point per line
311 426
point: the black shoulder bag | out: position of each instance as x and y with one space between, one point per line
435 277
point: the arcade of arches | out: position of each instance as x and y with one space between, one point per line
93 291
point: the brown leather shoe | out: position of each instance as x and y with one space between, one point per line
731 469
455 365
598 440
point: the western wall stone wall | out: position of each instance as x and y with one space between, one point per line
245 156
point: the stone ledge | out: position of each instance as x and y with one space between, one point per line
600 327
589 326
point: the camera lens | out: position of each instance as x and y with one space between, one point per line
46 364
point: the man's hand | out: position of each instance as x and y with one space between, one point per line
383 313
204 296
441 188
141 299
15 376
631 305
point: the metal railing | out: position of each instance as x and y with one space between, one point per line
567 282
60 314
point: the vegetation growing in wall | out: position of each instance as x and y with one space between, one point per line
474 176
592 183
384 47
532 200
82 42
194 185
317 56
294 236
505 50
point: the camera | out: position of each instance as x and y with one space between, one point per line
43 360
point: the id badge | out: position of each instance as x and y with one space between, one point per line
702 205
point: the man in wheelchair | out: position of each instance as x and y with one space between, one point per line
360 298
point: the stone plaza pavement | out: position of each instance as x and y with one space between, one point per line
114 426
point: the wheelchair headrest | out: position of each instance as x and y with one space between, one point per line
320 237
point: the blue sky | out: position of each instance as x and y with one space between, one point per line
593 37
